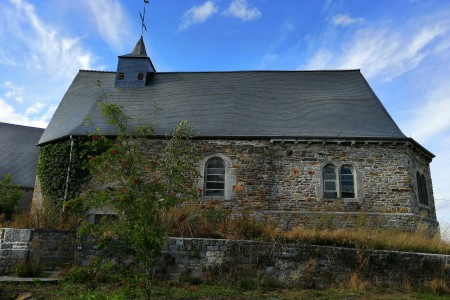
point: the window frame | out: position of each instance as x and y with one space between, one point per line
422 191
338 180
219 172
230 177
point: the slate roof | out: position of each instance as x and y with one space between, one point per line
19 153
257 104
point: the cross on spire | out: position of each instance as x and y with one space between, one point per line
143 19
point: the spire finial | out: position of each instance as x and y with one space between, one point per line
143 19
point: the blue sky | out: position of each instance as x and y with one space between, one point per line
401 46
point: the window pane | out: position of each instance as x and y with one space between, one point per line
215 177
329 181
424 190
347 182
419 187
330 185
330 194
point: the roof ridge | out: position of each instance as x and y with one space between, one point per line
96 71
240 71
268 71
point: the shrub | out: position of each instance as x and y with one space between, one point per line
9 195
23 269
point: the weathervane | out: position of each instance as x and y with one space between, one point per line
143 18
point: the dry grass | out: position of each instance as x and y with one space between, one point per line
439 287
209 221
212 222
20 220
369 239
48 216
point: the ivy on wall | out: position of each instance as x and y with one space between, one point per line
53 166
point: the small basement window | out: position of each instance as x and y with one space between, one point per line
141 76
104 218
121 76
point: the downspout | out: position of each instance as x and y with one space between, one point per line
66 190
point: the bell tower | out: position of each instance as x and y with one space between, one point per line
134 68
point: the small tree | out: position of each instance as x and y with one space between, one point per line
9 196
140 187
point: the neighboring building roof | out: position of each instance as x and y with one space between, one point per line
19 153
264 104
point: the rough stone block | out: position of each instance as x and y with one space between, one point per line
17 235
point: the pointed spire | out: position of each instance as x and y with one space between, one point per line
139 49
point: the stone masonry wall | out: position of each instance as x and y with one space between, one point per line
13 248
271 178
296 265
283 181
255 262
45 250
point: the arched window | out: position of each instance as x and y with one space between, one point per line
347 182
329 181
419 187
215 177
338 184
424 190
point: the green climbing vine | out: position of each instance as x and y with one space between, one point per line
53 166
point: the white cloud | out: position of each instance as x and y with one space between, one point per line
9 115
239 9
15 92
197 15
35 108
345 20
111 20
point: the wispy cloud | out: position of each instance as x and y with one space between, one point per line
198 14
39 55
388 54
271 56
112 22
382 53
239 9
320 61
41 46
345 20
430 118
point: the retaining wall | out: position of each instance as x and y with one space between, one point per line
45 250
287 264
297 265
